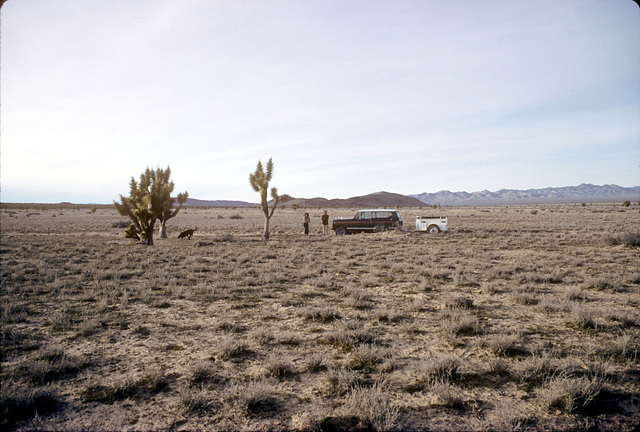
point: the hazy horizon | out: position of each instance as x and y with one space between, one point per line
348 98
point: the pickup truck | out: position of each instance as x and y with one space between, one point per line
369 220
432 224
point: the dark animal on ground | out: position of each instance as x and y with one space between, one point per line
187 233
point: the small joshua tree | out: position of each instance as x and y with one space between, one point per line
147 202
260 183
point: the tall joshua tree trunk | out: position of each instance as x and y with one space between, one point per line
260 182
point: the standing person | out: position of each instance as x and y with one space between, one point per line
325 223
306 223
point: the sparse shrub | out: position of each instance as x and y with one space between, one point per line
625 345
50 364
320 314
366 357
279 367
288 338
456 323
236 217
465 279
120 224
448 395
601 284
537 368
224 238
438 368
201 373
357 299
582 318
576 294
110 394
491 287
347 338
199 401
459 302
627 239
507 345
569 394
151 383
524 298
257 399
232 348
339 381
315 363
373 408
18 402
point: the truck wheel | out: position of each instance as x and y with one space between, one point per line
433 229
341 231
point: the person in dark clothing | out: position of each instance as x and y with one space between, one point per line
307 220
325 223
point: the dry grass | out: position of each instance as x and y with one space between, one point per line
521 318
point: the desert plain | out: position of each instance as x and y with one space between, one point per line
519 318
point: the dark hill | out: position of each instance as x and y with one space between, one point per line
377 199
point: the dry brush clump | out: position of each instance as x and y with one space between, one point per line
509 325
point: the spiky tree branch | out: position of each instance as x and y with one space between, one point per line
149 200
260 180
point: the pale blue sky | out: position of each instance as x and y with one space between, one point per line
348 97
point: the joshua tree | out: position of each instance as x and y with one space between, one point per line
148 202
168 211
260 183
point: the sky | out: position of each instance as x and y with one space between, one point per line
348 97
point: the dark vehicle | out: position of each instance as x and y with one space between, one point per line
370 220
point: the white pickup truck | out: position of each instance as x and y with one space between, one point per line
432 224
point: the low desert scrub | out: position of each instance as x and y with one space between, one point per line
625 345
128 387
21 401
459 302
568 393
511 416
277 366
320 314
438 368
294 333
347 337
602 284
357 298
316 362
576 294
232 348
257 398
456 323
582 317
199 401
339 381
202 373
537 368
505 345
447 395
49 364
630 239
373 409
524 297
366 357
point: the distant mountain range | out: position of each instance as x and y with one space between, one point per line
216 203
568 194
377 199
